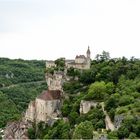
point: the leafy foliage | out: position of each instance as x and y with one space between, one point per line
20 82
83 131
112 81
8 110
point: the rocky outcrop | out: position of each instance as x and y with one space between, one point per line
85 106
109 124
118 120
16 130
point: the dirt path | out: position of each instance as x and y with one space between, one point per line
28 83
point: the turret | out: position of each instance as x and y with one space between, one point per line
88 58
88 53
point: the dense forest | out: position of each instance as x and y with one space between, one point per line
20 82
114 82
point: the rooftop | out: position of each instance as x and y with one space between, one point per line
80 56
50 95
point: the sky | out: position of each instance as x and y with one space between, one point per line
49 29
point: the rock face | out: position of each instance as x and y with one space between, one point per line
85 106
118 120
16 130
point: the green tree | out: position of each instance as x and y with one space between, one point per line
112 135
97 91
132 136
103 57
83 131
60 63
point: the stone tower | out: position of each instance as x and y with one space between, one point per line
55 81
88 53
88 58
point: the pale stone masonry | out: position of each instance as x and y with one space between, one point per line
46 106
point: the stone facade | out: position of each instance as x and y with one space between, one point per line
80 62
46 106
85 106
50 64
55 81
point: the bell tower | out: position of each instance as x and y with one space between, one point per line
88 58
88 53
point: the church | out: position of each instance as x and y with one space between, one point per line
80 62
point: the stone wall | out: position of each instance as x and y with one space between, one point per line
80 60
50 64
40 114
54 81
41 110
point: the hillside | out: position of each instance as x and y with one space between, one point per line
20 82
111 83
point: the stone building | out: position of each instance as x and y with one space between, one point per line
55 81
46 106
80 62
50 64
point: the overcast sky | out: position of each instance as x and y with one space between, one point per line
48 29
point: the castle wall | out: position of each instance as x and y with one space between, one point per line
50 64
46 109
40 110
80 60
85 106
54 82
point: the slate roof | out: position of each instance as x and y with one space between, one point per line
88 51
80 56
50 95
